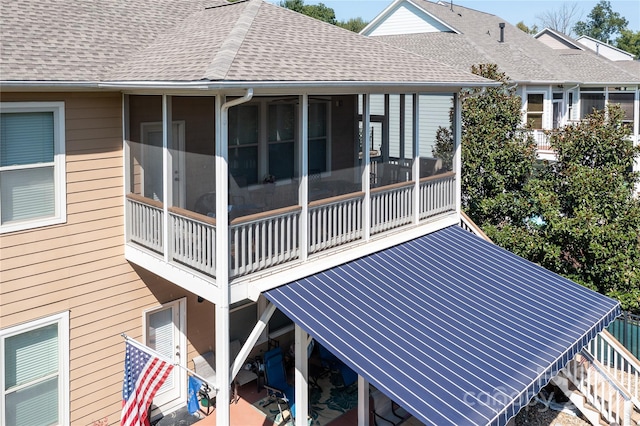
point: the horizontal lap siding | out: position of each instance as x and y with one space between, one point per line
79 266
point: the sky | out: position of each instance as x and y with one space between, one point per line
513 11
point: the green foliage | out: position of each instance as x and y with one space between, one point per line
318 11
354 24
529 30
588 223
630 42
602 23
498 156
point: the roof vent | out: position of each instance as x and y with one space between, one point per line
501 25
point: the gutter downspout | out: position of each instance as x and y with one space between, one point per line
223 359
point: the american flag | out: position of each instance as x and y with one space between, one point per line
143 376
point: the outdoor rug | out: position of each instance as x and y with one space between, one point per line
327 402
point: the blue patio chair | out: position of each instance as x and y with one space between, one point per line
333 363
276 382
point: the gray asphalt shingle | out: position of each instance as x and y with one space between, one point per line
520 56
195 40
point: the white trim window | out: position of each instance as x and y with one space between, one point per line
35 372
535 110
32 165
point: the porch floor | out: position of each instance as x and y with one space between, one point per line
243 413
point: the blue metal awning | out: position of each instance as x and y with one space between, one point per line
456 330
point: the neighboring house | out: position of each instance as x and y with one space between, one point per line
559 81
177 170
604 49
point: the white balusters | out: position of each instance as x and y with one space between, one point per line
335 221
194 240
145 218
437 195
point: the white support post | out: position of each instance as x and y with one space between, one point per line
167 175
301 377
303 189
252 339
222 267
363 401
366 168
457 144
416 158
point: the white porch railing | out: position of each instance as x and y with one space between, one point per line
600 390
618 362
194 240
437 195
391 206
145 225
263 240
335 221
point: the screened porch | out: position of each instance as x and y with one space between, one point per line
301 182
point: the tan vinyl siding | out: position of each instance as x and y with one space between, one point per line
79 266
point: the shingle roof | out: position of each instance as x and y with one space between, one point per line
182 41
78 40
520 56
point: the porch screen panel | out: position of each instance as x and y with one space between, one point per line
243 144
317 137
590 102
282 124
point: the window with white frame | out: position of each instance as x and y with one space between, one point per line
35 374
535 109
32 165
262 140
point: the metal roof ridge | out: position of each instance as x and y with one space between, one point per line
221 63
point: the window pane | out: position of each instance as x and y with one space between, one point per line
281 122
625 100
243 165
317 120
35 405
243 125
535 102
281 157
589 102
26 138
27 194
535 120
31 355
160 338
317 156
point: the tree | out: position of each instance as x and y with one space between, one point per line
560 19
497 156
318 11
354 24
630 42
602 23
529 30
584 221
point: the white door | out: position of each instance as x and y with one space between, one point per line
165 333
152 162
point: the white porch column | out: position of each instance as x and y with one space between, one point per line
303 189
167 174
222 266
363 401
416 158
301 377
457 143
366 168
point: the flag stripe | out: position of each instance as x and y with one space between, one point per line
144 374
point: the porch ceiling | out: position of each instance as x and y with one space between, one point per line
453 328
